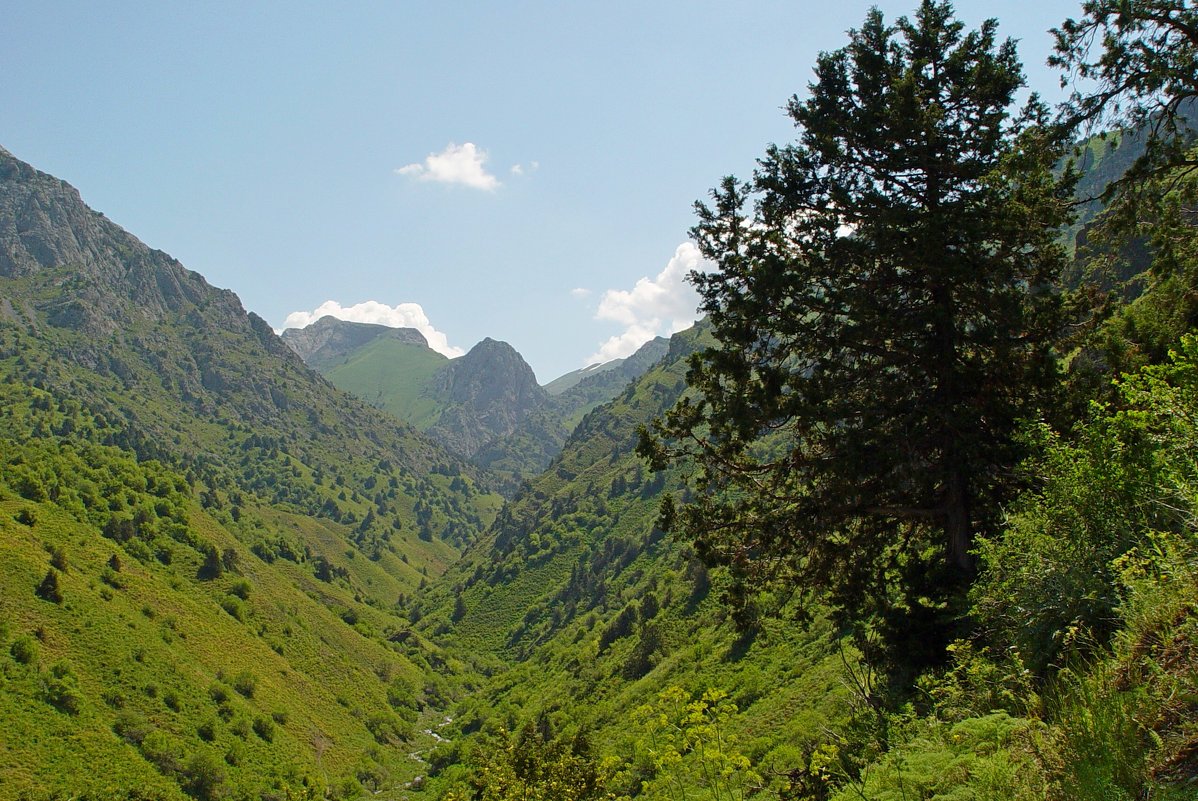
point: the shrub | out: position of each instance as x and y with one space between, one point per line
62 689
386 728
58 558
207 730
131 727
264 727
49 590
245 683
218 692
160 751
24 649
112 578
234 607
202 777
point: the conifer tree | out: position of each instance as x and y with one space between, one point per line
883 305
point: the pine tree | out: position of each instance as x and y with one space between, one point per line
883 310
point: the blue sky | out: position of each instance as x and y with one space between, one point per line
518 170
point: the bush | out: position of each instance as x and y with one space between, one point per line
245 683
264 727
49 590
62 689
387 728
207 730
203 777
162 752
1049 581
218 692
112 578
234 607
131 727
24 649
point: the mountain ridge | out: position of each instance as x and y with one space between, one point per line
205 545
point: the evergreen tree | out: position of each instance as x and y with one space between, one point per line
883 311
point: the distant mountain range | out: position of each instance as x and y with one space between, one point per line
485 407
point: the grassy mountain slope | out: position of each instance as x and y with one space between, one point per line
393 376
169 653
631 366
206 547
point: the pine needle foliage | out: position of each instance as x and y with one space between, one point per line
884 315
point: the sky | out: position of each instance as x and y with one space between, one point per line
524 171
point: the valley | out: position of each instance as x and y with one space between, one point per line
908 513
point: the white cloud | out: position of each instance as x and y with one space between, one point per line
456 164
580 292
404 315
520 169
657 306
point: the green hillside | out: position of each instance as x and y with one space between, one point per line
207 549
393 376
182 650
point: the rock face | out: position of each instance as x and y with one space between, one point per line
329 339
487 393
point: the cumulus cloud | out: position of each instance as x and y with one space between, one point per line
580 292
653 307
404 315
456 164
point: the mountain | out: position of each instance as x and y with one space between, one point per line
629 367
485 395
329 340
577 393
390 368
486 406
206 548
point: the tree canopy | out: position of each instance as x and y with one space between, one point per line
883 309
1134 64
